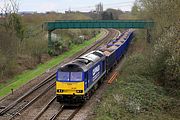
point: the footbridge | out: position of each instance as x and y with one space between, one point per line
81 24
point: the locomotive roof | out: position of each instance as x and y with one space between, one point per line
93 56
83 63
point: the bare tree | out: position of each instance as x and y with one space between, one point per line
9 7
11 20
7 10
99 8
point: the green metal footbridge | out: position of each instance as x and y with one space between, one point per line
80 24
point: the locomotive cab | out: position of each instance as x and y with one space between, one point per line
70 80
75 79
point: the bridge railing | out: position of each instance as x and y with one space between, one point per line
80 24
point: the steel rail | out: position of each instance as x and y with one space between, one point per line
56 114
33 100
74 113
44 109
48 79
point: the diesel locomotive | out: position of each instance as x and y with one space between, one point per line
77 80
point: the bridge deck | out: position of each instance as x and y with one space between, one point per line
80 24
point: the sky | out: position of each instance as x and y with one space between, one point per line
75 5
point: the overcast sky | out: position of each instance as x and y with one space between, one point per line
80 5
74 5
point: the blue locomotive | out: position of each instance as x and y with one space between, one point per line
77 80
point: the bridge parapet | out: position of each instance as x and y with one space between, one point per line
80 24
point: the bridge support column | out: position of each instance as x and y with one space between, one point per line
50 45
148 36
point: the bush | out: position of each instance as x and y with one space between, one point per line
135 96
166 61
137 64
8 54
65 38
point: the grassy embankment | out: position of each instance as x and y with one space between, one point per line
136 95
28 75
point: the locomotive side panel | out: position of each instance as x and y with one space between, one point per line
94 74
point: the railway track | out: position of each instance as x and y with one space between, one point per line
45 108
57 113
15 108
60 112
30 92
65 113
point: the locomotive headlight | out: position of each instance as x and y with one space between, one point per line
59 90
79 91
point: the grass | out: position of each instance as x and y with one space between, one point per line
135 95
28 75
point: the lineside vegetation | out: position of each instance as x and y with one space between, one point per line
149 84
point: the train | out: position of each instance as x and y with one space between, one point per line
78 79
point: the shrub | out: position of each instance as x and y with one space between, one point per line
166 60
